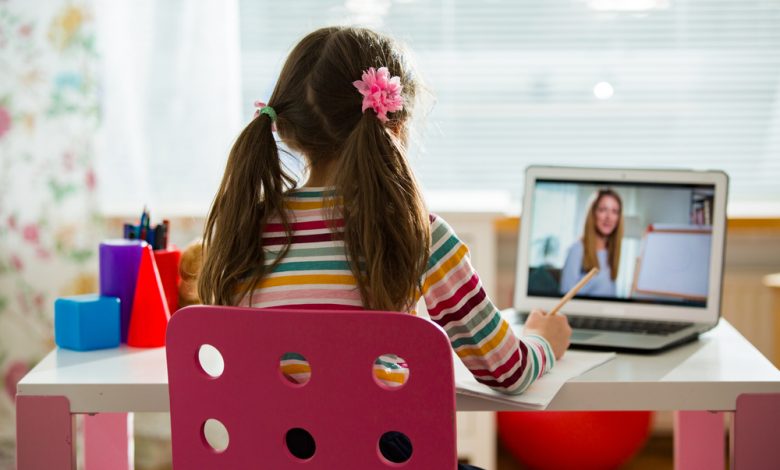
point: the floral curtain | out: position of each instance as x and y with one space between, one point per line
49 112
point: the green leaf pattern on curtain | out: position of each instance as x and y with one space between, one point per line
49 226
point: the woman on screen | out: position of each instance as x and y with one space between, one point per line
598 247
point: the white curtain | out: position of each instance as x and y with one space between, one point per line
170 73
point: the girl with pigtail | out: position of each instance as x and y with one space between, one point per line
357 233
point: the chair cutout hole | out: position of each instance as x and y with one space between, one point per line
300 443
395 447
390 371
210 360
295 368
215 434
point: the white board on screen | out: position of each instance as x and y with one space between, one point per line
675 262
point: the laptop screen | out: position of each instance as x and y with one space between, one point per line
651 241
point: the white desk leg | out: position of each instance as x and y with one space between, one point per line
44 433
755 445
108 441
699 440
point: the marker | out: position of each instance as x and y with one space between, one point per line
150 237
159 233
143 225
166 230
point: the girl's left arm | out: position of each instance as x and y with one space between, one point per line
483 340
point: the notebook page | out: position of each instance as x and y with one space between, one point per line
541 392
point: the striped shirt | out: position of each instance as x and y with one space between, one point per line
315 273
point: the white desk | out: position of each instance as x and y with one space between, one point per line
721 372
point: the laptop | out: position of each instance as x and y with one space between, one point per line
657 237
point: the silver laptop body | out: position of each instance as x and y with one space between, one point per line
666 286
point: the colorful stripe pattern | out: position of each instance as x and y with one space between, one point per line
482 339
315 274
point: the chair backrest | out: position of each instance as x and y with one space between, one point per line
342 406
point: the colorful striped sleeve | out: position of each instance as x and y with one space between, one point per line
479 335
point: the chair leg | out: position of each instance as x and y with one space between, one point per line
108 441
44 433
754 442
699 440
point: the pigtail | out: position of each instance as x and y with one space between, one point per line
386 226
252 190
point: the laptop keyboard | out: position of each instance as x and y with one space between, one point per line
621 325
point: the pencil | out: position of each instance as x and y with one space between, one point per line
573 291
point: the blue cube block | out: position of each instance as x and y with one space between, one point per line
86 322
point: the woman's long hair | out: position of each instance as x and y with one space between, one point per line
590 259
386 226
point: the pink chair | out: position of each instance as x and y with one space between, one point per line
342 407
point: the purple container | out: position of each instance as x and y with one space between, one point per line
119 262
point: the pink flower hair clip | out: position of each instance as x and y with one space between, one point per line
381 92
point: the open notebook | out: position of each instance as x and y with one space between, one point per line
541 392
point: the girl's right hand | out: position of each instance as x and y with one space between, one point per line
554 328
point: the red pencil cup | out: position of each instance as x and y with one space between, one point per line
168 267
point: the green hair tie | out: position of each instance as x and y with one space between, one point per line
265 109
269 111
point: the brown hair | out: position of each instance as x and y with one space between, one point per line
386 226
614 240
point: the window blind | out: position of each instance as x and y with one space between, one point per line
637 83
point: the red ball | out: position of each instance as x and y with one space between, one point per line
582 440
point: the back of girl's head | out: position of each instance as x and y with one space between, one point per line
318 108
317 104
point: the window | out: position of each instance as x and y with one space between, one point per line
171 97
645 83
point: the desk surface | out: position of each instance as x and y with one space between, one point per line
708 374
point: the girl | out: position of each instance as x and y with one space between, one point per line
357 234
